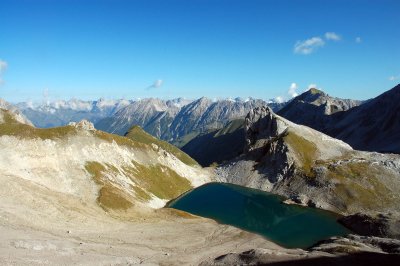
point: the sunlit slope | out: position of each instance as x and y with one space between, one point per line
114 172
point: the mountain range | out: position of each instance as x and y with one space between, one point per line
315 108
176 121
372 125
60 113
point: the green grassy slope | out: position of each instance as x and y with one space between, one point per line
137 134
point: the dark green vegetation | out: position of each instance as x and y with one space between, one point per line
137 134
182 141
264 213
219 145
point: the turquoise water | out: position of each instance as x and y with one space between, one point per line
260 212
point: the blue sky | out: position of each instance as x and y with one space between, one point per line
192 48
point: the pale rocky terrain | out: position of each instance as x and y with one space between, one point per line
75 195
68 197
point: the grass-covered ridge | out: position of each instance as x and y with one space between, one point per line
305 151
137 134
146 182
159 180
316 91
360 183
135 138
354 182
11 127
109 197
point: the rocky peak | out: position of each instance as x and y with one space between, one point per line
83 124
261 126
314 108
312 95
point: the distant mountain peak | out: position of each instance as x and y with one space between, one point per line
316 91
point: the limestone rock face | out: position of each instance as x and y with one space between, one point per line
83 124
261 127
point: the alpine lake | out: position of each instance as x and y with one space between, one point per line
260 212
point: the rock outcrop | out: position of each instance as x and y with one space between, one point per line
83 124
308 166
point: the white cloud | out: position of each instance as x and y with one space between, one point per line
279 99
3 67
292 90
308 46
358 40
157 84
331 36
393 78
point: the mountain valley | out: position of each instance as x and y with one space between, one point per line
77 194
